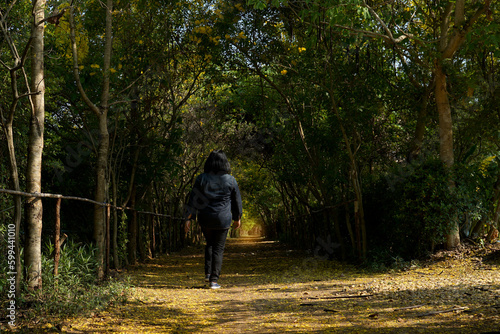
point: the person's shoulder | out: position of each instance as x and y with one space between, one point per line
231 178
201 178
228 176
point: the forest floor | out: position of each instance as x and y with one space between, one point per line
267 288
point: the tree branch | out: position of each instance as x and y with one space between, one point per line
445 24
459 13
387 30
24 56
76 72
460 32
9 9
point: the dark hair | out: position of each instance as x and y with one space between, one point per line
217 163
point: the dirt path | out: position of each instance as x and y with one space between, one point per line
269 289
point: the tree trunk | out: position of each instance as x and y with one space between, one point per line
445 140
101 113
444 113
418 137
140 238
359 215
152 236
101 192
34 211
102 154
452 36
114 241
7 126
57 239
132 230
9 134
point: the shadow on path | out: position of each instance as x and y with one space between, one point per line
267 288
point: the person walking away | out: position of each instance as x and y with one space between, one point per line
216 201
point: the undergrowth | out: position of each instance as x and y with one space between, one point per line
75 290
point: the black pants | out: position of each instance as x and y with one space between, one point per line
216 240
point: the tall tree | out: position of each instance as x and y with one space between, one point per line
17 68
453 29
101 112
34 209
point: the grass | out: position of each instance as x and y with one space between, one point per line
75 291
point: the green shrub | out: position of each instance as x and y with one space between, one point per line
476 187
75 290
411 210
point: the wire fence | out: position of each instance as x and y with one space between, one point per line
105 204
169 241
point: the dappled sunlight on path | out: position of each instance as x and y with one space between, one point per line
267 288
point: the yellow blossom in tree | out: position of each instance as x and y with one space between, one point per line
483 168
284 72
120 66
81 67
215 39
94 66
302 49
112 70
227 36
242 35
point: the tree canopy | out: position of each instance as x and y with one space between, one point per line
372 123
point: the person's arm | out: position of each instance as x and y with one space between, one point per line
190 208
236 205
187 224
237 223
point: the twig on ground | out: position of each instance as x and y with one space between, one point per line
458 308
338 297
408 307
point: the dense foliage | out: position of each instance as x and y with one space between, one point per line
327 110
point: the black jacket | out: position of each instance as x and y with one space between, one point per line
216 200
